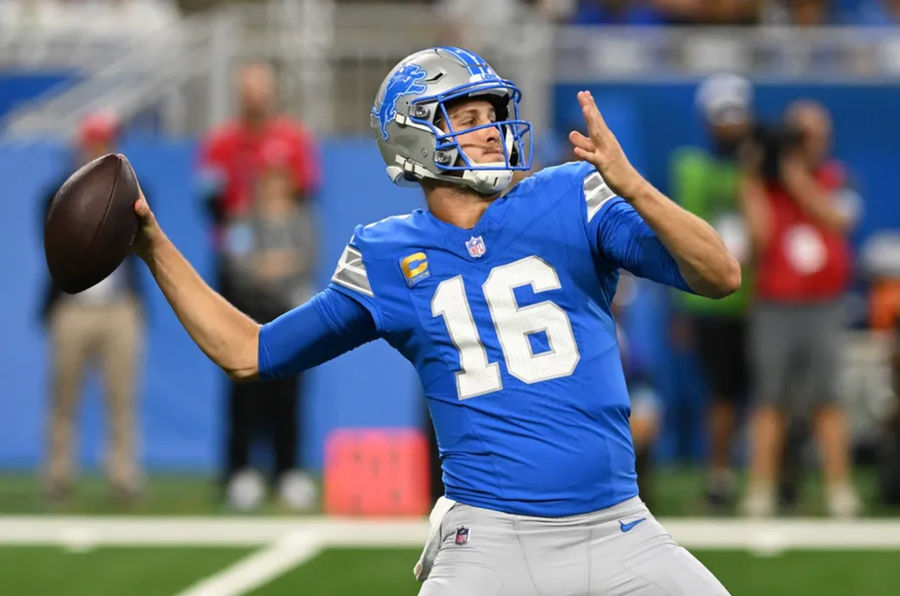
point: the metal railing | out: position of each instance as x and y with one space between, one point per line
159 74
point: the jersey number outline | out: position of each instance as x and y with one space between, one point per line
512 323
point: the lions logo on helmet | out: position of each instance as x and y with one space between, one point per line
403 82
414 97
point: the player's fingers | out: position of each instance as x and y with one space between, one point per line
142 209
596 125
596 110
579 140
588 107
581 153
582 98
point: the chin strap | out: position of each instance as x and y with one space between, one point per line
488 182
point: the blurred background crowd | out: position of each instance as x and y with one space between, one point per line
247 123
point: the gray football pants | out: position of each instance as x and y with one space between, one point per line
488 553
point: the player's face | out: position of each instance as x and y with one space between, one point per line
481 146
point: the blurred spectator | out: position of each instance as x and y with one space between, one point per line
267 260
800 213
247 169
809 12
804 13
555 11
231 155
616 12
704 12
880 262
884 13
705 182
101 326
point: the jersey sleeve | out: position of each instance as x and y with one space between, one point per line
351 278
326 326
618 234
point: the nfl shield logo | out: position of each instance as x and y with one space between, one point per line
476 246
462 535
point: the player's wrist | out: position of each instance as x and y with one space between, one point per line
635 189
150 243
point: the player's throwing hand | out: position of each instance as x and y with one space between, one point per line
148 230
602 150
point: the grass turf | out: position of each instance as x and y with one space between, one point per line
136 571
383 572
676 491
823 573
346 572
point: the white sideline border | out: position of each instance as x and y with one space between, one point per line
788 533
290 542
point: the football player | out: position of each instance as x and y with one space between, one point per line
502 303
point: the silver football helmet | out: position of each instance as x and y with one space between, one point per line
413 98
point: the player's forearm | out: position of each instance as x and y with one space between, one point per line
225 334
707 266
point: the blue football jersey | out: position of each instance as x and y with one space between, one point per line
509 327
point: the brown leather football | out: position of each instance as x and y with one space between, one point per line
91 224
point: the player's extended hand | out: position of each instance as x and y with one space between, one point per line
601 149
148 230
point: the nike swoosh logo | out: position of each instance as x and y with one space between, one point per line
629 525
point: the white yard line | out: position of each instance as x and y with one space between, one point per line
206 531
782 534
259 568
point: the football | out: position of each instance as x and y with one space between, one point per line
91 224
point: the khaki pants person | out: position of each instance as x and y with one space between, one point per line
83 335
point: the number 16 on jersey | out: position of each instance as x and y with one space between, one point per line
512 323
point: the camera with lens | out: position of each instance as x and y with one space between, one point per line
769 144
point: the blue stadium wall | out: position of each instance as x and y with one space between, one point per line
19 87
181 396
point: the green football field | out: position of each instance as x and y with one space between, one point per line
374 572
180 540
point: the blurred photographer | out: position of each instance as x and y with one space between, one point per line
799 212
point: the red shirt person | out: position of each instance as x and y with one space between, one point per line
799 217
804 258
231 157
